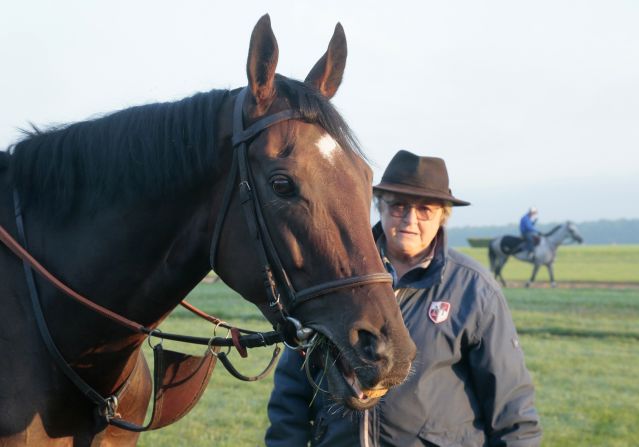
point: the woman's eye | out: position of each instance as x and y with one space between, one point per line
283 186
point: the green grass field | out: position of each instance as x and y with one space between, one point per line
580 345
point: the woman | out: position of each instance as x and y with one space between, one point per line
470 385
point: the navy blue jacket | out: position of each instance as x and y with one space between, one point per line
470 385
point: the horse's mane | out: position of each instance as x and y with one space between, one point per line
554 230
151 151
148 150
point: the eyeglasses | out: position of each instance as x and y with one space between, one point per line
401 209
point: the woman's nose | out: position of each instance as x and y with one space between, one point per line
410 215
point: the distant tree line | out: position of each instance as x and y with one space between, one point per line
600 232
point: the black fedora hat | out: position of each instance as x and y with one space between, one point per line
411 174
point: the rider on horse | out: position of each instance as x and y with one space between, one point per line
528 230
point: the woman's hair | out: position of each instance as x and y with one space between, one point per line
378 196
447 210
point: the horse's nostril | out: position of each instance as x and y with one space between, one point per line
372 346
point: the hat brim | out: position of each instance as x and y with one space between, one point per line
420 192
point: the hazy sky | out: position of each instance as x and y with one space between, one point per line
530 103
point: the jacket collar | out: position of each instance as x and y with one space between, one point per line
417 278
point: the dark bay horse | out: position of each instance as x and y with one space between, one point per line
501 248
123 209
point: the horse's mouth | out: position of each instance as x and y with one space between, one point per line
344 384
351 379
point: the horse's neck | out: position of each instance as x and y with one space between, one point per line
139 269
555 239
162 256
136 261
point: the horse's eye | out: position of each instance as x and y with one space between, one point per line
282 185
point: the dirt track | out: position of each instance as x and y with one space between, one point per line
575 285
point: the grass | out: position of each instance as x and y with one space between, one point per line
231 412
588 263
581 348
580 345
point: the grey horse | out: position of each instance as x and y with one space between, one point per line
545 250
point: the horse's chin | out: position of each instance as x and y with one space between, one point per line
348 390
343 383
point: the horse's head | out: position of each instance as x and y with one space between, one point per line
573 232
313 190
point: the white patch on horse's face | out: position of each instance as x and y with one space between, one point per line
327 147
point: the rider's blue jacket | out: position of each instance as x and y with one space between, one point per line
469 385
527 224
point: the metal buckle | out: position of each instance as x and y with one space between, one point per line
304 336
210 344
159 331
276 301
245 191
110 408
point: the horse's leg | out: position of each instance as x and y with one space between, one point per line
532 277
497 261
551 274
500 265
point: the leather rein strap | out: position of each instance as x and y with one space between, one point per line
276 280
254 339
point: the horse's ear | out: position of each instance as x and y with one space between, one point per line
327 73
262 60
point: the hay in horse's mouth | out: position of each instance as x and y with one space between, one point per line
335 361
363 394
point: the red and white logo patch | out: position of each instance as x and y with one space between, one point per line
438 311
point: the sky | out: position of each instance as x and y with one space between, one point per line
529 103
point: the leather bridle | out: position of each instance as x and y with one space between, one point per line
276 281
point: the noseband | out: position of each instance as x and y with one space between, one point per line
276 281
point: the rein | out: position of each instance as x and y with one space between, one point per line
253 339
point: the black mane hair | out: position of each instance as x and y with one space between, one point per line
150 151
553 230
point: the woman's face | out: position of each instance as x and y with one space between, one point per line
410 224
